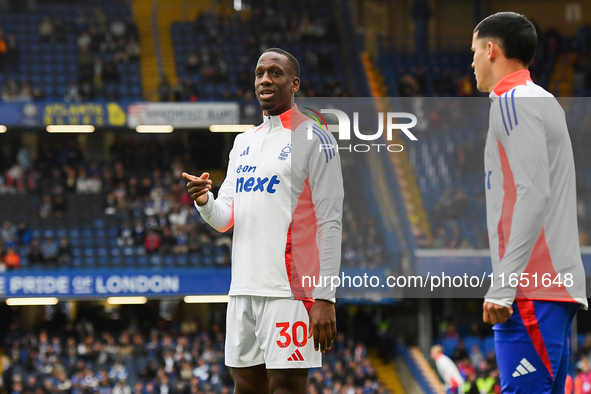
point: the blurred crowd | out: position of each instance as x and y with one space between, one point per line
144 195
147 203
79 358
152 357
102 45
280 25
12 91
346 369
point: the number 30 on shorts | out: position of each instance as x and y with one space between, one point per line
298 330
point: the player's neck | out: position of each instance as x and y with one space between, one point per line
504 69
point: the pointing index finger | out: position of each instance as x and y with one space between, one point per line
188 177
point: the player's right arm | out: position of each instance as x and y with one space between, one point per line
218 212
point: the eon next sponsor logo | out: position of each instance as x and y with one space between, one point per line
254 184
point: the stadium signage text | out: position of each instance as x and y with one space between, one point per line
183 115
98 114
66 285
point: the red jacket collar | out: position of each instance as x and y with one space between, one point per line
510 81
291 118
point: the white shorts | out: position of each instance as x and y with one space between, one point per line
270 331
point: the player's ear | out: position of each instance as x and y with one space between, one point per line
490 50
295 85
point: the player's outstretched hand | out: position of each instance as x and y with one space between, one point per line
323 324
495 314
198 187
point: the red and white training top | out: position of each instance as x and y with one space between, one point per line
531 197
283 193
448 371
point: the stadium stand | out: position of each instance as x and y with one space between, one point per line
103 353
131 211
215 55
70 51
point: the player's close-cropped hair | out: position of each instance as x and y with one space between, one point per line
293 62
516 35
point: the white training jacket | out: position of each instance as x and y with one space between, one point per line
283 193
531 197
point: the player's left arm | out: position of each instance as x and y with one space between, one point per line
523 153
326 184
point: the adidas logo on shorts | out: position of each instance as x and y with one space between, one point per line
296 356
524 368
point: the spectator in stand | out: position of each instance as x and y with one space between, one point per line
46 29
164 89
476 356
72 92
126 234
35 255
167 240
12 259
582 383
133 50
110 73
10 89
12 55
38 94
87 91
24 235
58 203
8 234
152 242
46 207
49 250
460 352
64 252
3 52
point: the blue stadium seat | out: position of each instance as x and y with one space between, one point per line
182 259
129 261
76 252
449 344
470 341
168 260
155 259
489 345
140 251
77 261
